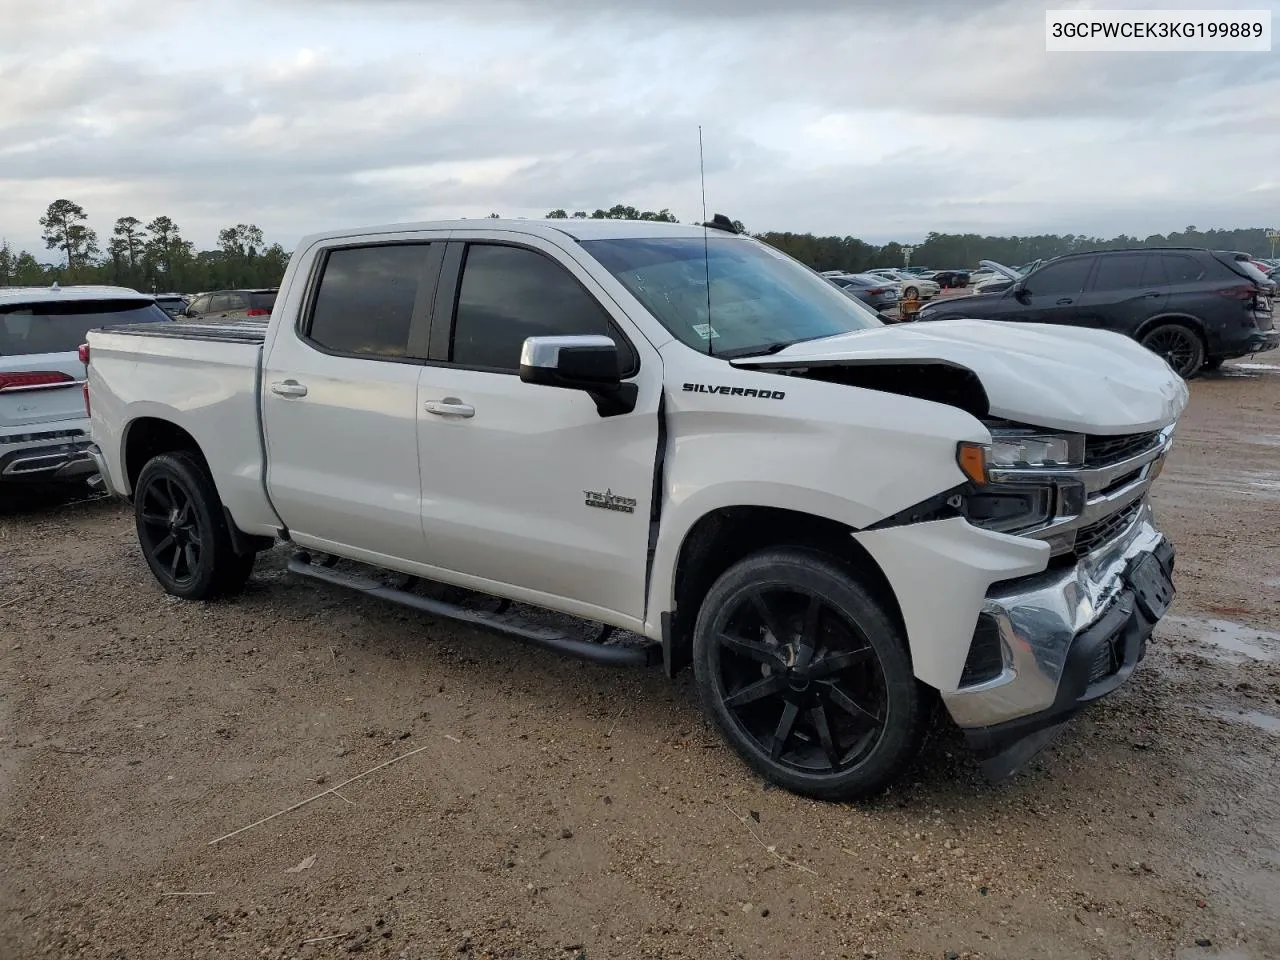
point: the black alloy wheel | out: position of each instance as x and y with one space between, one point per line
183 530
169 529
800 680
806 676
1180 347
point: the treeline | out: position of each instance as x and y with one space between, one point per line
150 256
153 256
955 250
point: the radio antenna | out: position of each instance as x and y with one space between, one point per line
706 251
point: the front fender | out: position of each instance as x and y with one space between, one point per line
940 572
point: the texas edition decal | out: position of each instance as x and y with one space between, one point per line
734 391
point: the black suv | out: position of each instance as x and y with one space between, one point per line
1194 307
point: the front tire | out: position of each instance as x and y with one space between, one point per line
806 676
183 530
1180 346
1213 363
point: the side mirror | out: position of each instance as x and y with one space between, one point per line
1019 289
589 363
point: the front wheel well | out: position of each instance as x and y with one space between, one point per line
149 437
723 537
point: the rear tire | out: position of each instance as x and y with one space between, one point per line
183 530
1179 345
1213 363
806 676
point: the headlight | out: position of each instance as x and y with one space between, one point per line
1011 450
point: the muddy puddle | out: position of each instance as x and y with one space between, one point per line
1225 640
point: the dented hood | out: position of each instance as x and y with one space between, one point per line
1066 378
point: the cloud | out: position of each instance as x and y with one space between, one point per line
837 117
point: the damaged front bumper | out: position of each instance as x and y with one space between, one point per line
1048 644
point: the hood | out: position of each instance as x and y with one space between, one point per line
1064 378
999 268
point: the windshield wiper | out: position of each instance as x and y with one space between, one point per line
762 351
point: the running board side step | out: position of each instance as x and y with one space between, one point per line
508 624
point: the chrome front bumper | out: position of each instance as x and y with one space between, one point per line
1065 637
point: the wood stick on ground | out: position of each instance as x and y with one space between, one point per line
772 851
302 803
190 893
323 939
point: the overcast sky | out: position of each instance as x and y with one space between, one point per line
882 120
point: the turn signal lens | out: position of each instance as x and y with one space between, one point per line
972 459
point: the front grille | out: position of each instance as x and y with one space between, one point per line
1104 451
1096 534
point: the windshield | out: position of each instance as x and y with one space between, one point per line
760 299
60 327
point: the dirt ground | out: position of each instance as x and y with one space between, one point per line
549 808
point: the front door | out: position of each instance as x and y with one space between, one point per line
1050 294
523 484
340 400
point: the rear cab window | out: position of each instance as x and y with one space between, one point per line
60 326
366 300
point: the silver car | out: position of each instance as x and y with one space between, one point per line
44 424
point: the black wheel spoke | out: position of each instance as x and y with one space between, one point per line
755 649
786 723
189 554
754 692
851 706
840 660
819 716
173 566
163 545
155 519
769 618
184 515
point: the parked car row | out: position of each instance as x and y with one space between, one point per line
1194 307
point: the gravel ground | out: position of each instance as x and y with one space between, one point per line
548 808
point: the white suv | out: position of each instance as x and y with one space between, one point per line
44 428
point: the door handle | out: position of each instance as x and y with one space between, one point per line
1152 295
449 407
1065 301
289 388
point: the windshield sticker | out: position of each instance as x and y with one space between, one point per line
705 331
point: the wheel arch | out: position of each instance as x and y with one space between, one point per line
1192 322
147 437
722 536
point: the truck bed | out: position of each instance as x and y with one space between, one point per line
200 377
235 331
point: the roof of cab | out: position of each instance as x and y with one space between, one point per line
578 229
54 294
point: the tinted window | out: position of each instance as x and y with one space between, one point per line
365 301
508 294
262 301
236 301
199 305
1120 272
1179 268
61 327
1063 278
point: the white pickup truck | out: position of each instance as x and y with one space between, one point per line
681 433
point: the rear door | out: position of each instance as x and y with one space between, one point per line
340 399
1125 290
40 369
